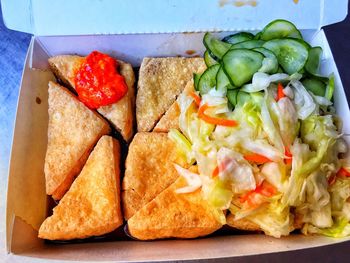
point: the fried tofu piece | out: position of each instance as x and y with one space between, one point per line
73 131
170 119
174 215
120 114
247 225
161 80
91 207
149 170
241 224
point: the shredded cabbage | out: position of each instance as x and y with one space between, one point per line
193 180
272 129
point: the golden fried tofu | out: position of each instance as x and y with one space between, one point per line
170 120
73 131
161 80
121 113
247 225
91 207
241 224
174 215
149 170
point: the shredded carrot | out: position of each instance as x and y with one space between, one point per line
252 197
256 158
215 172
289 155
196 98
214 120
332 179
343 172
280 93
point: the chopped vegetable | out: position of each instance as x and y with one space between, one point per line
196 98
257 158
214 120
280 93
343 172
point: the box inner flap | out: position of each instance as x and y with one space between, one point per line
65 17
26 196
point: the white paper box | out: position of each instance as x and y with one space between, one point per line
27 201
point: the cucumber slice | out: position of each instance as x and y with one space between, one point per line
215 46
258 35
238 37
280 70
249 44
222 81
232 96
330 87
196 78
280 29
208 79
270 62
209 60
242 97
313 62
241 64
291 53
316 86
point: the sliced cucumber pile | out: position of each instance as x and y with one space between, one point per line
278 48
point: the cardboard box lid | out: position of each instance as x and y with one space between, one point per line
86 17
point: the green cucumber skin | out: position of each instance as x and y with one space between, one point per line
291 53
272 57
238 37
196 78
240 65
215 46
232 96
222 81
280 29
316 86
249 44
314 60
208 59
208 79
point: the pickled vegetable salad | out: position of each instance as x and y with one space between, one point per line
262 131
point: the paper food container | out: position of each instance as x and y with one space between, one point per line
150 28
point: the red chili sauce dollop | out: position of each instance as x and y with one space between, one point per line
98 82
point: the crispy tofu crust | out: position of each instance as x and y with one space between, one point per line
170 120
120 114
174 215
73 131
149 170
247 225
241 224
161 80
91 207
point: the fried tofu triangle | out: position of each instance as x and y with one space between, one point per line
174 215
161 80
73 131
91 207
170 120
120 114
149 170
241 224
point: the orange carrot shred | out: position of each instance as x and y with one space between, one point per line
215 172
343 172
280 93
213 120
289 155
257 158
196 98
